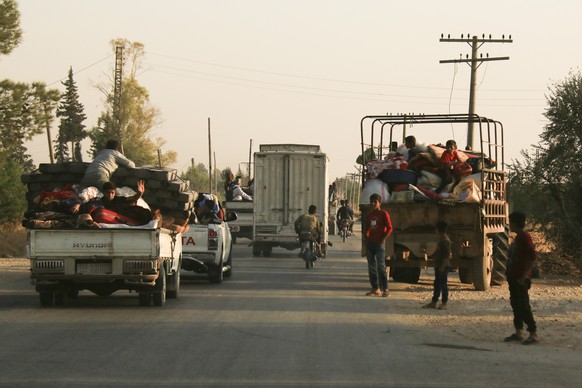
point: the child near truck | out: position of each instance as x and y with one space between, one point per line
442 257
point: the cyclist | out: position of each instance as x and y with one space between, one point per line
308 223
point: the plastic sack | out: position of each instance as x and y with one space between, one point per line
467 191
429 180
375 186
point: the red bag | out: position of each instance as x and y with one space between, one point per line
461 170
107 216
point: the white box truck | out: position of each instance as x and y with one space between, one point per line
288 179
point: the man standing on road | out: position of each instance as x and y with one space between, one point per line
522 255
378 228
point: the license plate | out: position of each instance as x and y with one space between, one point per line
234 228
94 268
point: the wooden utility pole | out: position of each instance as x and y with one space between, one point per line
474 62
250 154
209 158
117 93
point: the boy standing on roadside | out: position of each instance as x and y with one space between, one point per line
378 228
442 261
522 255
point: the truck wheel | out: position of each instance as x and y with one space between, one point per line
234 239
145 298
215 273
160 288
267 250
61 298
500 257
483 266
406 274
46 298
465 275
73 293
173 290
228 272
256 250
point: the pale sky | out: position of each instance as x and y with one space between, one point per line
302 71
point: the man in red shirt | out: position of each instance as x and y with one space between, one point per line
378 228
522 255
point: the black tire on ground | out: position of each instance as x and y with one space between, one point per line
61 298
228 272
234 239
215 274
145 298
307 256
466 273
409 275
173 290
483 266
159 295
267 250
256 250
73 293
500 257
46 298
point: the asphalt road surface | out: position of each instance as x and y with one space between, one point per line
273 323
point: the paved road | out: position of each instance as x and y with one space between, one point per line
273 323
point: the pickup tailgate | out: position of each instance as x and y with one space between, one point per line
96 243
195 240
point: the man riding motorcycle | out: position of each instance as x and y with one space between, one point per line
308 225
345 212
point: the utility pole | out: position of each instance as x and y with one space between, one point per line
250 153
475 61
209 158
117 93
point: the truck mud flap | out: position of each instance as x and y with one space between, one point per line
194 265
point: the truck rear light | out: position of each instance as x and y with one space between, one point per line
48 266
212 240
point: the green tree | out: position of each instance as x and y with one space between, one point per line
137 117
198 177
10 32
24 113
548 183
12 191
71 129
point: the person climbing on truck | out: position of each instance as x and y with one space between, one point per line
378 228
104 165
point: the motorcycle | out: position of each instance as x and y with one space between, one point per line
309 249
345 228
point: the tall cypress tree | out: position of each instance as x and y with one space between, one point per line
71 129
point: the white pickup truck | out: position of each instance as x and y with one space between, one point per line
63 262
207 249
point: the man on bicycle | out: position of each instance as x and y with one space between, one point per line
308 223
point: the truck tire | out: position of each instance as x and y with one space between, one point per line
256 250
228 272
500 257
215 274
159 295
173 290
409 275
267 250
466 275
46 298
61 298
145 298
483 267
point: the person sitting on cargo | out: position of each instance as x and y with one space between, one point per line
413 150
308 223
126 206
448 159
104 165
208 211
236 193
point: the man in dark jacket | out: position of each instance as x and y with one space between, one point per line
522 255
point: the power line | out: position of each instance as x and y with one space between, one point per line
83 69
